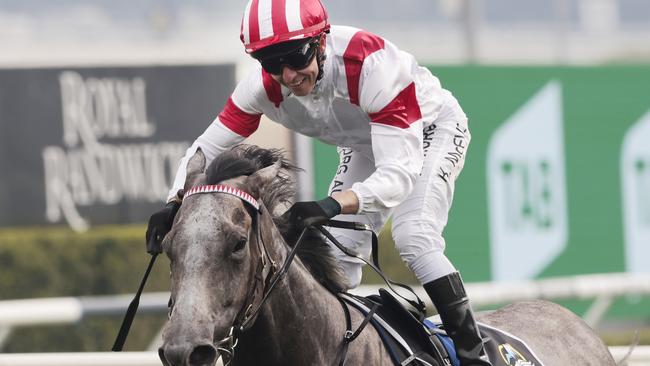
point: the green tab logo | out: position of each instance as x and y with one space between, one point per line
635 176
527 188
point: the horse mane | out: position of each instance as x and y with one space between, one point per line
314 252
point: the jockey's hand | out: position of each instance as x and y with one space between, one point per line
309 213
160 223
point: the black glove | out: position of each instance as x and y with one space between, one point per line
159 225
313 212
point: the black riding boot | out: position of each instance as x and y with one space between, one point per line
448 295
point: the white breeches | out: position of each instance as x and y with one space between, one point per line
418 222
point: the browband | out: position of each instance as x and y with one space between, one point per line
220 188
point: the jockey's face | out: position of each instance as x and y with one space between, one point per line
301 81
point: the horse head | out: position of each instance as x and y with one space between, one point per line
216 247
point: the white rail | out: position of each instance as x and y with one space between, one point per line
72 309
40 311
640 357
558 288
601 287
81 359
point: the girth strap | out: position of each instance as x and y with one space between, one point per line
412 356
349 336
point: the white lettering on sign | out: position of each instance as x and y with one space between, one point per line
635 184
527 188
86 172
97 108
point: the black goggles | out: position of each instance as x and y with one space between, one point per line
297 59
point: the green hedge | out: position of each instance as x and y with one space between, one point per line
56 262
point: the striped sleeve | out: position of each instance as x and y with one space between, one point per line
244 109
238 121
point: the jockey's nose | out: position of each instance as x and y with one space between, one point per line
288 74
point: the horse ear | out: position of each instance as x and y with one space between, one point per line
258 180
195 166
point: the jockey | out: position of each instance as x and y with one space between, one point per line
401 138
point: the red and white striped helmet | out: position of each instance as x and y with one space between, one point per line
268 22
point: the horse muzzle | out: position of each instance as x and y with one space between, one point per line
188 355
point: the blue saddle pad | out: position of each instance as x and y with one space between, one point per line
445 340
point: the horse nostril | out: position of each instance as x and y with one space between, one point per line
203 355
161 354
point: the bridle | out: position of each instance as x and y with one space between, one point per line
266 274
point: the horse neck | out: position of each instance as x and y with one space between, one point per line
301 323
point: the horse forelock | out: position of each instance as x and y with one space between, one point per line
244 160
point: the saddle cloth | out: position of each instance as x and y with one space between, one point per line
503 348
412 342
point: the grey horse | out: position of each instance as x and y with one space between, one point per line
225 253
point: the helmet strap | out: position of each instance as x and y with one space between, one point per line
320 58
321 63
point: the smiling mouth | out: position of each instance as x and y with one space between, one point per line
293 85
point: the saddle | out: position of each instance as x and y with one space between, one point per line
412 340
406 339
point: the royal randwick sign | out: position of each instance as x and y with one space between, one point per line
84 172
108 150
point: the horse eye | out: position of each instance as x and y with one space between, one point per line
240 246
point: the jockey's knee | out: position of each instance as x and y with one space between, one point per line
422 250
413 237
430 265
359 243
